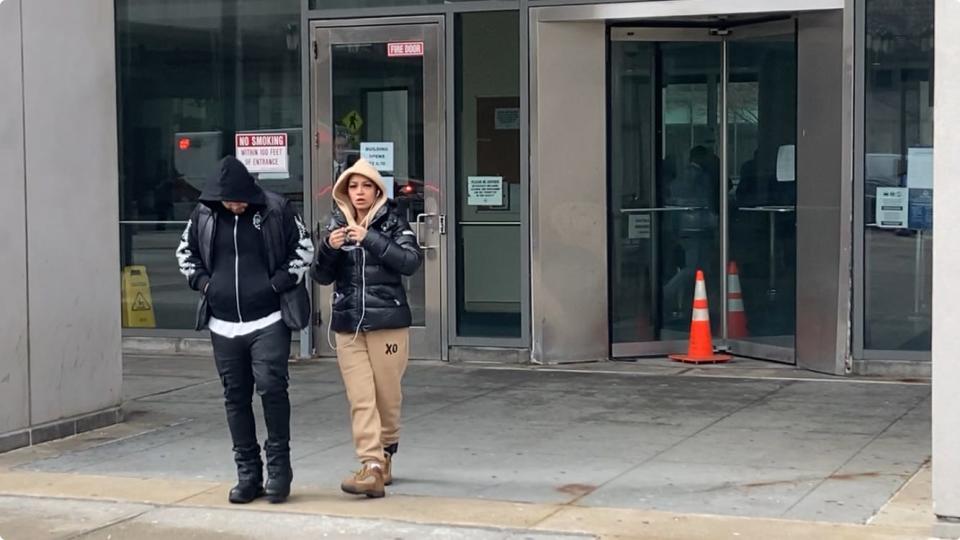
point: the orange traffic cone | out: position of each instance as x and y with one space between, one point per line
736 316
700 349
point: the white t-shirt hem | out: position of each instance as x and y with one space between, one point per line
231 330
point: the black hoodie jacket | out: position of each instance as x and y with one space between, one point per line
250 265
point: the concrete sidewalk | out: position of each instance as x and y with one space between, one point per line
613 450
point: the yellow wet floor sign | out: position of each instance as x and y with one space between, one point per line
137 303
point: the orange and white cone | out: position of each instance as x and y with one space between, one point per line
700 348
736 316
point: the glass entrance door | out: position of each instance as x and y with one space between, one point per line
761 168
692 111
376 94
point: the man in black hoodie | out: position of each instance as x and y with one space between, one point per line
247 251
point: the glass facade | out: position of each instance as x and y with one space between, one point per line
190 75
190 79
898 189
360 4
488 154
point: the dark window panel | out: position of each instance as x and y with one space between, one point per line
898 133
488 145
190 75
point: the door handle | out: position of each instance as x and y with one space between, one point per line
421 220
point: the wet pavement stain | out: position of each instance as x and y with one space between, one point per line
578 490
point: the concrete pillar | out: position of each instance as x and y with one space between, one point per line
946 264
14 377
60 365
568 211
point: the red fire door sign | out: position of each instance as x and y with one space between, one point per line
405 48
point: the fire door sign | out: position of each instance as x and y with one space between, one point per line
263 152
405 48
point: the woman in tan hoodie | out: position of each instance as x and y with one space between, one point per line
367 249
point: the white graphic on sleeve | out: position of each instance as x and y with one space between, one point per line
301 263
187 268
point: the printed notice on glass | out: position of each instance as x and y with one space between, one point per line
485 190
263 152
638 227
892 208
787 163
388 183
920 211
506 118
379 154
920 168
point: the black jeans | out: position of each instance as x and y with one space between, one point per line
258 359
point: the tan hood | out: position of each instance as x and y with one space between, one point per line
342 196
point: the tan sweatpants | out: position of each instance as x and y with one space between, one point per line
372 368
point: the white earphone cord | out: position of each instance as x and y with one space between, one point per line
363 300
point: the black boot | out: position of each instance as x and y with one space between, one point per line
249 476
279 474
276 410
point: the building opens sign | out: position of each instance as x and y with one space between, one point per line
405 48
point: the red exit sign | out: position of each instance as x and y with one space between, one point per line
405 48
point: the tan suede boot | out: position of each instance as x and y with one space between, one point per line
367 481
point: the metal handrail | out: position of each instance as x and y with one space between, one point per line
661 209
490 223
147 222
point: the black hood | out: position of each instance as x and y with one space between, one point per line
233 183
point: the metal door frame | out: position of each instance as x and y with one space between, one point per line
706 35
428 341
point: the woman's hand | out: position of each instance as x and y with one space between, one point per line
337 238
356 233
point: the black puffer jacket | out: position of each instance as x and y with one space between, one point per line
390 251
368 292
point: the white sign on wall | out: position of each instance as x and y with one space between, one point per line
892 210
379 154
263 152
485 190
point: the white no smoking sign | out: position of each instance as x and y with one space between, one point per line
263 152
